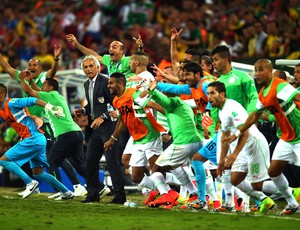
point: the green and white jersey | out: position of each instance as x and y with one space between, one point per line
138 106
34 110
180 118
143 80
233 115
162 120
121 67
59 125
241 88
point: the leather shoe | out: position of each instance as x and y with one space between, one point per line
118 201
90 200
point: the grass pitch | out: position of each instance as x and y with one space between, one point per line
38 212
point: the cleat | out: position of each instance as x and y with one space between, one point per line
225 208
181 200
151 196
245 207
296 194
289 210
169 206
174 195
55 195
192 198
199 204
217 204
254 208
239 202
30 188
67 195
36 191
105 191
266 205
79 190
164 199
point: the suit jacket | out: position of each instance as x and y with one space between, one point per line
102 96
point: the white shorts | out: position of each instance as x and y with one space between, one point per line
254 159
285 151
176 155
140 153
129 146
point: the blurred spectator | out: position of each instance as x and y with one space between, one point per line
43 54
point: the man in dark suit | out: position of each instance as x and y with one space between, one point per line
99 130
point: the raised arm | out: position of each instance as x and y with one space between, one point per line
86 51
7 67
27 89
173 49
57 51
168 77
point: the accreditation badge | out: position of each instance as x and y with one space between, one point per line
101 99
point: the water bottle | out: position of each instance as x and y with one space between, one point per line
111 108
130 204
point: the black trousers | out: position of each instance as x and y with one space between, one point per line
94 152
68 145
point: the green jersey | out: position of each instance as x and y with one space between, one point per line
59 125
121 67
180 118
34 110
241 88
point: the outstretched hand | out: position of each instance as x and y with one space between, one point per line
157 70
175 34
72 39
25 74
57 50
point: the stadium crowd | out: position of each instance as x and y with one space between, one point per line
257 28
192 45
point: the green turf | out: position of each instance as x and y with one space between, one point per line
38 212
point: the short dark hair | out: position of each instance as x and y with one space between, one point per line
223 51
196 54
52 82
282 75
193 67
220 86
120 77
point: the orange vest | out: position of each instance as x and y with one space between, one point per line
20 128
135 125
271 103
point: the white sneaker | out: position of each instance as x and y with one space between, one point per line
65 196
79 190
55 195
106 190
30 188
36 191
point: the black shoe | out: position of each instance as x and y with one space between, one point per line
118 201
90 200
